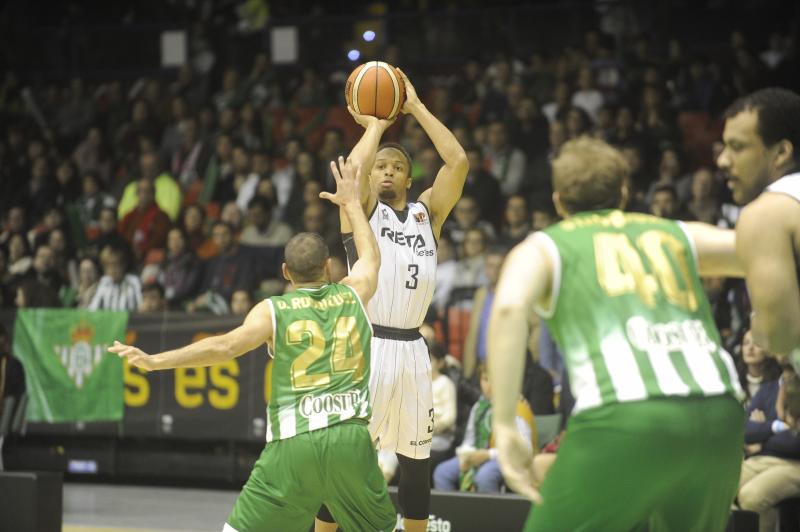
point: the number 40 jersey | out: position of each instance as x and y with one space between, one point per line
629 312
407 276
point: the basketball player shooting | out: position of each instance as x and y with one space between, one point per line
400 385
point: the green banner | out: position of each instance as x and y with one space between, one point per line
69 373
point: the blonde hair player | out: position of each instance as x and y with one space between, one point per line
402 419
656 394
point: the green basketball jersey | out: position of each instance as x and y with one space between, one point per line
629 313
320 371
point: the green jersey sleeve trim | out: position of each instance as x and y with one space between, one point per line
690 239
551 249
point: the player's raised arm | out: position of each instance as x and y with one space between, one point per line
449 182
363 276
769 261
363 153
255 331
716 250
524 282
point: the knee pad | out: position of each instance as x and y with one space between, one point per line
414 491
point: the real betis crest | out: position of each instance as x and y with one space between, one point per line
83 355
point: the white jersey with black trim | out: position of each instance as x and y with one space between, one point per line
407 277
788 184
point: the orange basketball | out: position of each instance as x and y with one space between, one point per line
377 89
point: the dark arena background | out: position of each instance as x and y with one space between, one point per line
234 110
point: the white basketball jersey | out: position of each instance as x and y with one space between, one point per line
788 184
407 277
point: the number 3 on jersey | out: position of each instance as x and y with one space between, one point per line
620 269
413 270
345 338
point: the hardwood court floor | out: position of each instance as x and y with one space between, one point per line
108 508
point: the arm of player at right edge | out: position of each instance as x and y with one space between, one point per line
363 277
525 281
765 245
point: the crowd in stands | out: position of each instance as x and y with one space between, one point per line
179 193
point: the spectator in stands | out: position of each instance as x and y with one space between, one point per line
318 218
19 255
577 122
167 192
172 136
475 467
557 108
665 203
263 229
44 275
528 128
475 344
472 264
669 172
117 289
13 222
245 180
515 222
233 216
108 235
91 202
64 263
88 281
481 184
92 155
188 159
145 228
224 274
466 216
67 188
756 367
772 471
193 223
152 299
53 218
241 302
180 270
39 192
505 162
219 169
704 203
30 294
444 407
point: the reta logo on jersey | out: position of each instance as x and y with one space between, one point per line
415 242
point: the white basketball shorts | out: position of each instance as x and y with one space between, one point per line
402 397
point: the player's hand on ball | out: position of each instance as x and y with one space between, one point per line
516 461
136 357
411 95
346 173
365 120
